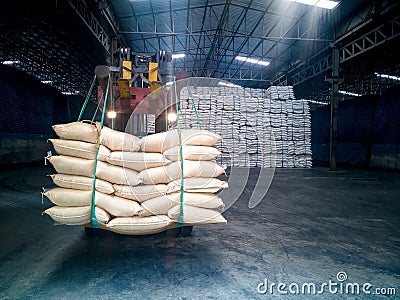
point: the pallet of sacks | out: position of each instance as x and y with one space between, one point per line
138 186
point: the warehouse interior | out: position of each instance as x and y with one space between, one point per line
302 98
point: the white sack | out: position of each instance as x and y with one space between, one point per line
173 171
81 183
140 193
137 161
69 215
140 226
117 175
78 131
196 215
119 141
72 165
117 206
192 153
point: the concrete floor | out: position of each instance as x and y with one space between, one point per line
312 225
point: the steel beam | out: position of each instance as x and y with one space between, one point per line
91 22
370 40
312 70
215 50
375 37
334 108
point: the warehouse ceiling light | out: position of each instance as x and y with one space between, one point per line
71 93
253 61
387 76
179 55
328 4
316 102
349 93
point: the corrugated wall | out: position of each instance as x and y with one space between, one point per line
368 131
28 110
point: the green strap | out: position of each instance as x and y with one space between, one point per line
87 99
180 220
166 120
166 112
183 118
104 107
193 105
93 218
97 109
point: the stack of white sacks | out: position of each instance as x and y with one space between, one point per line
138 181
289 125
268 128
219 112
252 127
280 93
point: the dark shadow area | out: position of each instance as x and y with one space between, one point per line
311 224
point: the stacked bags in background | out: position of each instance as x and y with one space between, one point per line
137 188
260 128
280 92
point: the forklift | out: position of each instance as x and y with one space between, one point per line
128 85
137 75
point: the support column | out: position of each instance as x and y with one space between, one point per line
334 107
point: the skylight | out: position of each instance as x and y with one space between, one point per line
228 84
316 102
10 62
349 93
387 76
180 55
71 93
328 4
253 61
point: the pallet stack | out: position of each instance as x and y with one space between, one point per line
138 187
290 127
268 128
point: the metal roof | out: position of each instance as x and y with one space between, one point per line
213 33
65 40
